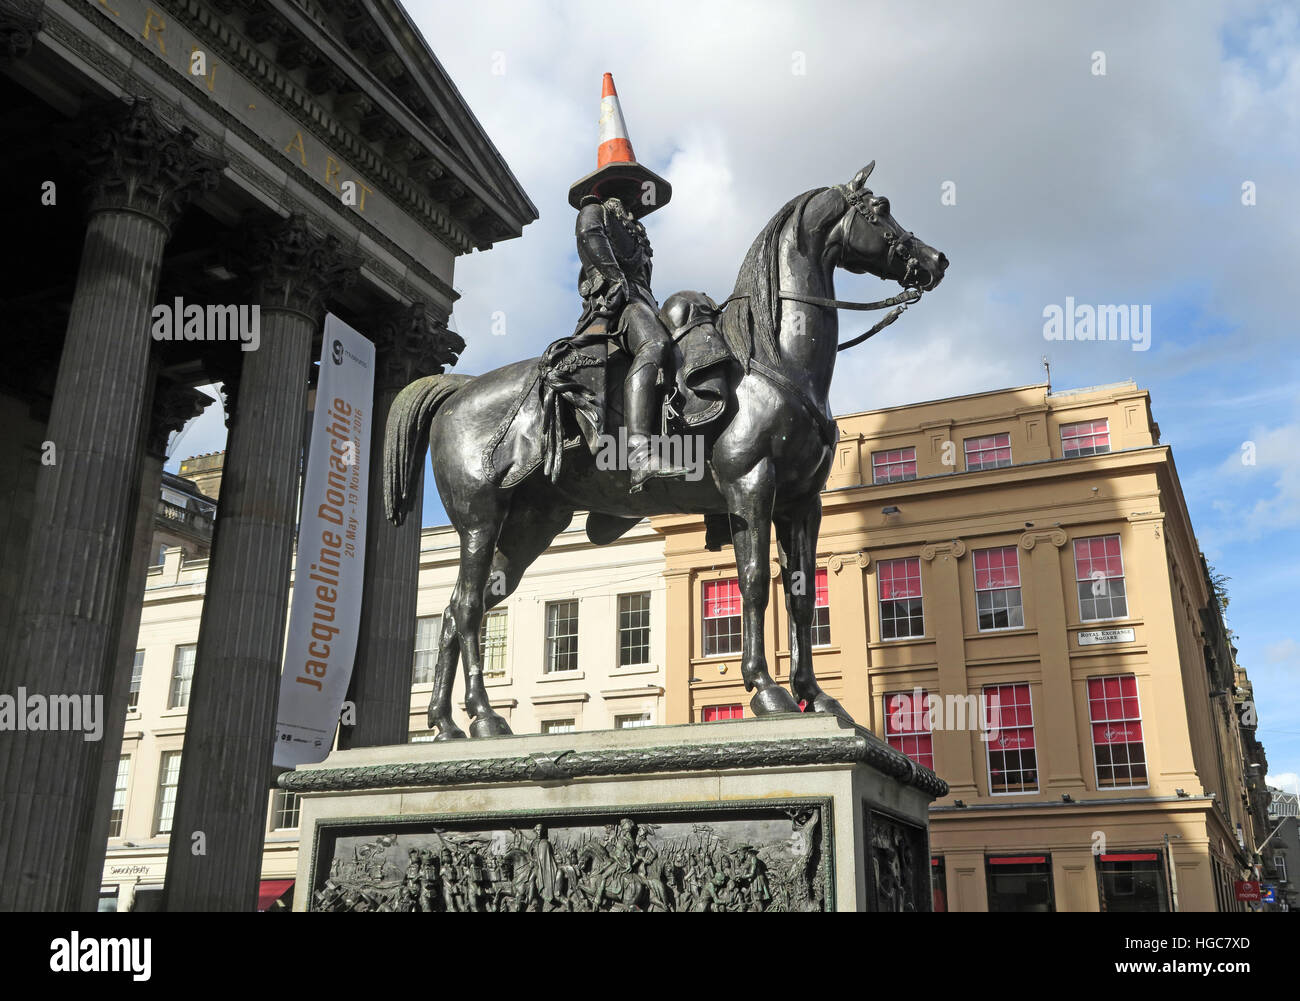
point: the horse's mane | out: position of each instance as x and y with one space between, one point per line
750 318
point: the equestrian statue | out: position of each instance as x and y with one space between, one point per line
743 384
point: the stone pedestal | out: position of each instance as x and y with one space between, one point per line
798 812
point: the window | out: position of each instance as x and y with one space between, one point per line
1116 718
169 776
1131 882
559 726
893 466
631 721
182 676
821 623
284 810
422 736
1020 883
1009 723
988 453
119 798
561 636
715 714
633 629
1085 438
939 884
721 617
427 630
907 725
107 900
1279 866
492 641
997 588
137 674
1099 576
900 598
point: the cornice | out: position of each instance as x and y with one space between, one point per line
570 764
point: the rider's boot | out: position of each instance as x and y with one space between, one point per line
641 399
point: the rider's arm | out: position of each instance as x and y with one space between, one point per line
594 250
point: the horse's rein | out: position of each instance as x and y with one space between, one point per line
899 302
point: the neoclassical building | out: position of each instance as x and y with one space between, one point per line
293 155
578 646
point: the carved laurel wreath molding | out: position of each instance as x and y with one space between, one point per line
564 765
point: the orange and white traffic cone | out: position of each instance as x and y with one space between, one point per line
617 173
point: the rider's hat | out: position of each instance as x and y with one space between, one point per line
617 173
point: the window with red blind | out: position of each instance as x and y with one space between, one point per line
900 598
821 624
712 714
1085 438
907 725
1118 749
893 466
997 588
990 452
721 617
1099 576
1009 726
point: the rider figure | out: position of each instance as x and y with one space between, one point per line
615 283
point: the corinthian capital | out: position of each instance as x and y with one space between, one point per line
296 268
412 342
20 21
141 162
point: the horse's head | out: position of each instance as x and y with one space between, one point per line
871 240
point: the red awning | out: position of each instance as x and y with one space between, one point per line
1018 860
1130 857
270 891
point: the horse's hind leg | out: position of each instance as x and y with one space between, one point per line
478 538
533 522
444 675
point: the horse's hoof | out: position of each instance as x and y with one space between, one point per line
823 703
772 700
489 725
448 731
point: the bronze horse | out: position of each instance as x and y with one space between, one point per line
768 455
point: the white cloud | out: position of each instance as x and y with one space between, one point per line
1273 478
1282 652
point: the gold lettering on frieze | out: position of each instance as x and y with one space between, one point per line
158 26
104 4
296 143
353 191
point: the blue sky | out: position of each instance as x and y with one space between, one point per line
1122 188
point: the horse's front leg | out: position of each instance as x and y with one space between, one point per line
797 536
749 501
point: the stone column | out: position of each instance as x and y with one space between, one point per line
1055 723
849 617
66 630
409 343
954 749
215 856
173 407
679 646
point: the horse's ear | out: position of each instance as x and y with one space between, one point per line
860 178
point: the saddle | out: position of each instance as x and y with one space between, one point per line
576 395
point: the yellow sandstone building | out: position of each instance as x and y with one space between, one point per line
1022 559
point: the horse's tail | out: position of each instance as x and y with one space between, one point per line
407 437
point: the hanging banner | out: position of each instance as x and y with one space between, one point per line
326 610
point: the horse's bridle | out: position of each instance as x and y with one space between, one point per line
860 209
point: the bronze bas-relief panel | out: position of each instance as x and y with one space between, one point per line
898 860
760 857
